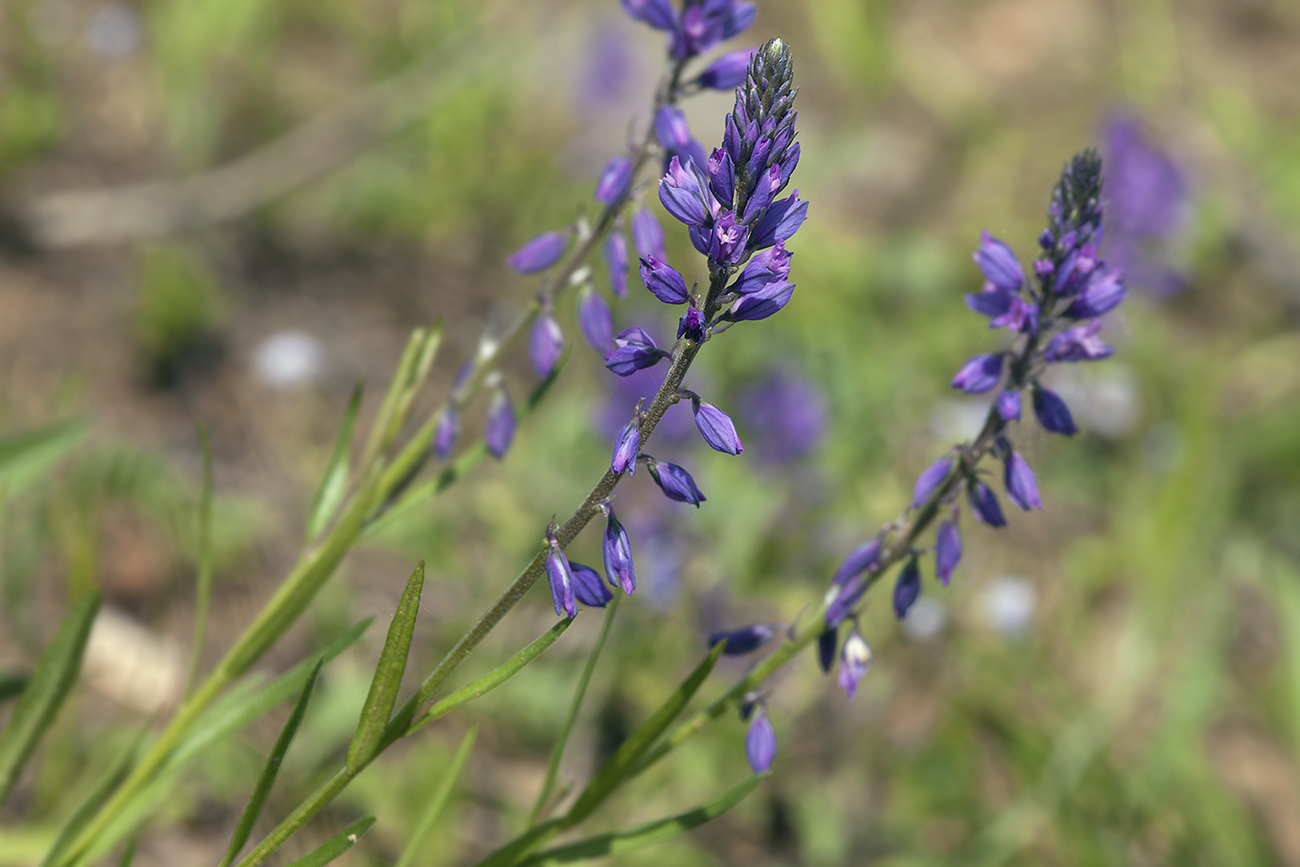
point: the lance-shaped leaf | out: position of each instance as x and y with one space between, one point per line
56 672
262 789
336 845
334 483
94 799
439 801
649 834
388 675
24 457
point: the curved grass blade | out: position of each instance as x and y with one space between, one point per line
94 798
438 801
204 589
262 789
336 845
56 672
649 834
388 676
334 483
24 457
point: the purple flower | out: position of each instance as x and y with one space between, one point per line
1103 293
722 177
633 350
855 660
676 483
657 13
930 480
760 197
540 253
744 640
991 302
1078 344
675 136
761 304
691 325
907 589
615 252
1146 194
617 551
860 559
1020 316
560 576
947 550
1008 404
999 264
663 281
684 192
727 241
843 598
500 428
984 503
781 221
1022 487
545 343
595 320
760 743
614 181
1052 412
588 588
444 438
727 71
827 644
648 236
979 374
703 25
627 449
716 428
770 266
785 415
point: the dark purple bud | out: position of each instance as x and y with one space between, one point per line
615 252
588 588
761 304
930 480
595 320
855 661
545 343
444 439
781 221
657 13
947 550
745 640
1008 404
732 140
1046 240
1103 293
843 598
727 71
699 238
614 181
727 242
633 350
676 483
1078 344
617 551
827 644
907 589
540 253
560 575
1022 487
760 198
499 431
663 281
760 743
1043 268
757 164
1052 412
984 503
722 177
684 192
691 325
979 374
671 129
716 428
999 264
992 302
863 558
648 236
627 449
788 165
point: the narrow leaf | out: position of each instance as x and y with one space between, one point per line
438 801
24 457
379 427
262 789
128 854
388 675
56 672
97 795
334 484
336 845
204 590
649 834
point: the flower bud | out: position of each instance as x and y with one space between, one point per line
500 428
1022 486
560 575
760 742
984 503
617 551
716 427
545 343
947 550
979 374
663 281
444 438
614 181
907 588
615 252
595 320
1052 412
540 253
855 661
930 480
627 449
587 586
744 640
676 483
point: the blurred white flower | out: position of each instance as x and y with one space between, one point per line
1008 605
924 619
1105 400
288 358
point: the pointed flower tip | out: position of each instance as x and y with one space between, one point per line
1052 412
930 480
907 589
827 644
559 574
1021 484
617 553
676 483
627 449
717 429
855 661
744 640
663 281
947 551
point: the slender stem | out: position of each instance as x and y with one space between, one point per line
310 807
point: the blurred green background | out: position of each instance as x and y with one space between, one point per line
1113 681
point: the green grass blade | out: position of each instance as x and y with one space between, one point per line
334 483
388 675
336 845
128 854
26 456
204 588
97 795
56 672
12 686
438 801
649 834
262 789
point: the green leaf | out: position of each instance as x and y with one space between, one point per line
438 801
97 795
334 484
12 686
388 675
336 845
649 834
262 789
25 457
56 672
204 589
128 854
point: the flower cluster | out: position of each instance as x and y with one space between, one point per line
697 27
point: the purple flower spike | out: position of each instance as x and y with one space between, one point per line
947 550
1103 293
588 588
614 181
560 575
444 438
1022 487
595 320
827 644
765 268
727 71
691 325
617 551
633 350
540 253
648 236
684 192
760 743
1009 405
716 428
500 428
861 559
930 480
979 374
627 449
676 483
761 304
984 503
615 252
781 221
1078 344
855 661
907 589
545 343
1052 412
999 264
663 281
744 640
657 13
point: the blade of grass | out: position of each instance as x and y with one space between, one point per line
334 482
204 590
438 801
336 845
24 457
93 799
128 854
